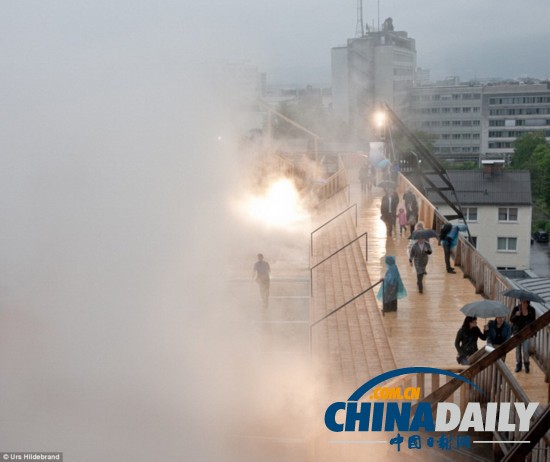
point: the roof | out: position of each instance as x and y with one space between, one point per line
473 187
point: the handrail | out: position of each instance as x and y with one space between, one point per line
331 220
498 353
336 192
531 438
334 253
484 366
338 309
333 185
348 302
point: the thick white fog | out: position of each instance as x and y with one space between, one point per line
119 165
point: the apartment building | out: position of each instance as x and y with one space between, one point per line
497 205
509 111
453 115
472 122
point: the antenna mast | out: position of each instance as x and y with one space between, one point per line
360 28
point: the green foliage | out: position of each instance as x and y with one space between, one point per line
524 147
539 165
532 152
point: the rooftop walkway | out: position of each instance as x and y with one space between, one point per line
360 342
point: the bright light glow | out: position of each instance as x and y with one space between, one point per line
380 118
280 206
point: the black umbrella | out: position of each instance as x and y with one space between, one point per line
486 309
423 234
521 294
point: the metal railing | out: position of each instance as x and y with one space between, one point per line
330 221
335 310
333 185
499 385
336 252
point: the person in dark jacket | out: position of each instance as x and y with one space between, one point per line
388 209
466 339
419 254
522 315
498 331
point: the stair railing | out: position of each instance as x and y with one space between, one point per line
335 310
365 234
331 220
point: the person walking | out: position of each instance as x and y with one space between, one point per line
411 207
402 220
388 209
466 339
392 287
498 331
371 178
522 315
419 255
364 176
262 273
446 239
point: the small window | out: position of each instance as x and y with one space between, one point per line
507 244
508 214
470 213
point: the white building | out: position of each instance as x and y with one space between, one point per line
376 68
497 204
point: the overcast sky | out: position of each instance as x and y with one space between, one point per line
290 39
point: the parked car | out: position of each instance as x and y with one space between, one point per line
540 236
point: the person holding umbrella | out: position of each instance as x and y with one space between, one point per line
466 339
419 252
522 315
498 331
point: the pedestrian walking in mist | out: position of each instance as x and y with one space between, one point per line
419 255
262 273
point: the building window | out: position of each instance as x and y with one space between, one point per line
508 214
470 214
507 244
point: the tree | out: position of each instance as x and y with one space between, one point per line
539 165
524 146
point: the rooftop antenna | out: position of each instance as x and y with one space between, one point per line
359 29
378 15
